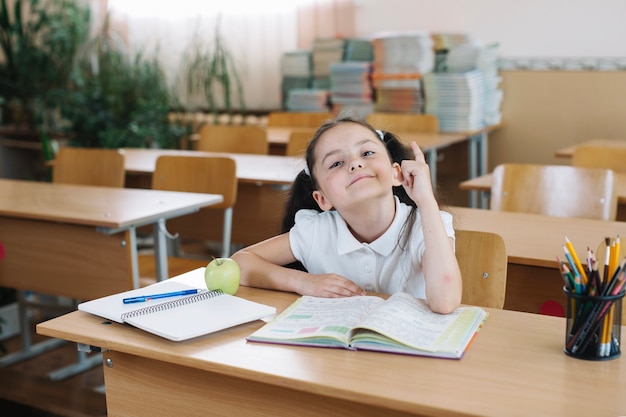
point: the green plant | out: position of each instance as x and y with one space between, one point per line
39 41
210 71
117 99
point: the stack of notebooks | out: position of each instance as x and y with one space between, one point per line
400 59
472 56
351 87
457 99
296 72
325 52
308 100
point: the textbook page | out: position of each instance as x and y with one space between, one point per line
318 321
409 323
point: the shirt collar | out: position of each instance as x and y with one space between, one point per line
383 245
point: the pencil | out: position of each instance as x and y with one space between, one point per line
572 252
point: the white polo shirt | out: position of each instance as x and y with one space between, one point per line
324 244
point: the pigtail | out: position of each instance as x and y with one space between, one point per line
300 197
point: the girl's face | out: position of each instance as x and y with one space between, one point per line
352 166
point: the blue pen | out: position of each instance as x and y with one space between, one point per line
143 298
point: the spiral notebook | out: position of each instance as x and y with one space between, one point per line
178 318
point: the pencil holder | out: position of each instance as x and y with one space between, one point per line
593 326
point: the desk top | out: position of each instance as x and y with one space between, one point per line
568 151
269 169
534 239
515 366
105 207
427 141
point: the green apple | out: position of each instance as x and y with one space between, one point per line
222 274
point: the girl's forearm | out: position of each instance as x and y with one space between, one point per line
258 272
440 267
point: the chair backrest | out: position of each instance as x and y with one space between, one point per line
197 174
608 157
554 190
233 139
298 119
298 141
404 122
89 166
483 262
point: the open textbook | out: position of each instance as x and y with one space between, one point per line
178 318
400 324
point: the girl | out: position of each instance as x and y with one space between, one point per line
362 216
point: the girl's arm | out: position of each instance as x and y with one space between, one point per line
441 269
261 266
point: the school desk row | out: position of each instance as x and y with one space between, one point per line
77 241
515 366
430 143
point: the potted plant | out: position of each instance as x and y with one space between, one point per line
39 41
118 99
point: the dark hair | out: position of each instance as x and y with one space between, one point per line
301 192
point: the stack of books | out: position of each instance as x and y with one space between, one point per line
308 100
400 59
351 87
359 50
477 56
325 52
296 71
457 99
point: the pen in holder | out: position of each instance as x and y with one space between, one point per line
594 302
593 325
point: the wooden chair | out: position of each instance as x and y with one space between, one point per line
483 262
607 157
404 122
89 166
554 190
199 174
298 119
233 139
298 141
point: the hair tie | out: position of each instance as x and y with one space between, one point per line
381 134
306 169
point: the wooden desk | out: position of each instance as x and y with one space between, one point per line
568 151
515 366
49 234
80 242
532 243
262 188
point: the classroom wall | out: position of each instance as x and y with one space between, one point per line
543 109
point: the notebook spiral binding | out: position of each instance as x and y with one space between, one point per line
172 304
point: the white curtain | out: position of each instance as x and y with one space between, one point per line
258 33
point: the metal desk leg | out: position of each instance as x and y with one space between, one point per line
477 166
29 350
134 257
160 250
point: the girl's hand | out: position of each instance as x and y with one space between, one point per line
328 285
416 175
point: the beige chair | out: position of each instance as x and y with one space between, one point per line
298 142
89 166
404 122
608 157
483 262
233 139
554 190
199 174
298 119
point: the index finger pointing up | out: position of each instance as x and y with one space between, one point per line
419 155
